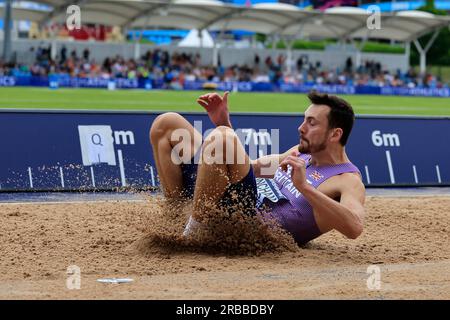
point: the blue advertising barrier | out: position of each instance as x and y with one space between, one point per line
44 150
122 83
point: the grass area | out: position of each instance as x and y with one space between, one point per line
369 46
383 48
102 99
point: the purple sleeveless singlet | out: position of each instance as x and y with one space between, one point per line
288 206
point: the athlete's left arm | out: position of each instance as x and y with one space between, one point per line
346 216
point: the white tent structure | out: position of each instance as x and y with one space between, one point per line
275 19
197 39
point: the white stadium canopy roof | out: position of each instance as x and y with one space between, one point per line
268 18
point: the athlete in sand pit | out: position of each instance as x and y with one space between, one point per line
310 189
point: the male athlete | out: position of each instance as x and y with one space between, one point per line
312 188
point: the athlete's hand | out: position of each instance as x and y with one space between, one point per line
217 108
298 173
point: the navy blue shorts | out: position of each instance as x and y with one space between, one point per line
238 197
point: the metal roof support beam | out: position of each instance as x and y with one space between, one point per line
144 13
302 22
53 49
233 14
137 50
215 55
426 31
200 35
407 52
274 43
337 35
289 43
360 26
423 51
7 31
227 16
360 48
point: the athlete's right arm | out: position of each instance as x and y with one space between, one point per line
266 166
217 108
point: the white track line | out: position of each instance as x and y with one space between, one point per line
31 177
415 174
92 176
391 169
121 167
62 176
438 172
68 202
153 176
367 174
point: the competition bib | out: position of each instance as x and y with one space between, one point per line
268 189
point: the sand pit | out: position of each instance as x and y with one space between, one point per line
407 238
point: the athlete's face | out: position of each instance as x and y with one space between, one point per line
314 131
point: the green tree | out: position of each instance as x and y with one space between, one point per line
439 53
260 37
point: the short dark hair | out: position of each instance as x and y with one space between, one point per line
341 112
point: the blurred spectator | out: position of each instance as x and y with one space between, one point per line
86 54
63 55
175 69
